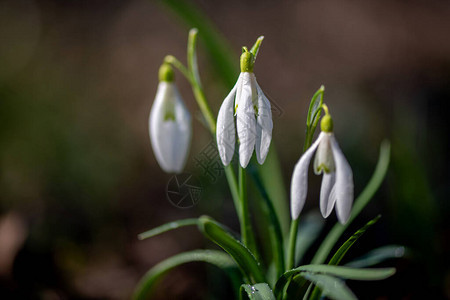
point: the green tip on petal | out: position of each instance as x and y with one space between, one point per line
166 73
326 125
247 60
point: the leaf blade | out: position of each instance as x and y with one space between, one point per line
218 258
241 254
167 227
259 291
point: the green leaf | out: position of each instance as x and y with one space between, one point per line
315 107
338 271
273 224
192 55
332 287
309 229
314 111
226 64
259 291
272 178
345 272
243 257
255 48
147 283
377 256
167 227
337 257
364 198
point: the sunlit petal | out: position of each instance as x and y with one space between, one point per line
246 121
299 182
225 129
344 183
264 126
326 191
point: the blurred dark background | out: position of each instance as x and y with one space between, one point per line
78 178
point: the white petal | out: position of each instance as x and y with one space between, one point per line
170 139
246 120
238 86
344 183
225 129
299 181
324 161
264 126
326 191
181 138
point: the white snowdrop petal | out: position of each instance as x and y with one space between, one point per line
264 126
299 181
170 139
323 161
156 120
182 134
238 87
245 120
225 129
326 201
344 183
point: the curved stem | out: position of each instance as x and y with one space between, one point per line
192 75
177 64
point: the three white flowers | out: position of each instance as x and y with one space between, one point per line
253 114
169 124
171 130
337 180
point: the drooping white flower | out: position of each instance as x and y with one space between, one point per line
337 180
169 124
253 114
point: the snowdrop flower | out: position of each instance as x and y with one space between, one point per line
254 124
337 180
169 124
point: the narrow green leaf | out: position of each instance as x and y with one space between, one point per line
273 224
345 272
315 107
192 55
309 229
243 257
167 227
217 258
364 198
313 116
259 291
332 287
377 256
272 178
337 257
226 64
255 49
338 271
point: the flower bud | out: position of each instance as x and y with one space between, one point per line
169 124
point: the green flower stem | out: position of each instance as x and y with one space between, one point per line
234 188
192 75
246 226
292 243
170 59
